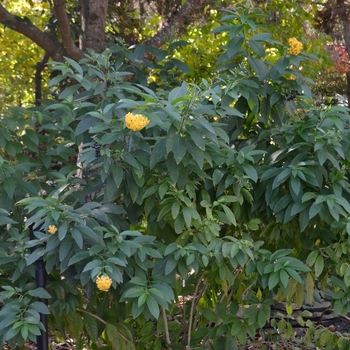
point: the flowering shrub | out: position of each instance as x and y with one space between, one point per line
234 197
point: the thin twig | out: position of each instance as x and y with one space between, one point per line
166 328
192 310
199 296
102 321
93 315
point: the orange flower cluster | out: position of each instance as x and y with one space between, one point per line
52 229
136 122
295 46
103 283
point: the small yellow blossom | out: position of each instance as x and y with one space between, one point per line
52 229
295 46
103 283
135 122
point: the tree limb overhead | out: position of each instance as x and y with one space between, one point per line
178 22
44 40
64 28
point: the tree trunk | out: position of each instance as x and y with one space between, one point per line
344 15
94 13
38 78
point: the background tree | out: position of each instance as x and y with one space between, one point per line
134 22
334 20
69 29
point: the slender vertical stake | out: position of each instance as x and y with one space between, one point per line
40 275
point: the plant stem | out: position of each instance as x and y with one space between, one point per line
192 311
166 328
93 315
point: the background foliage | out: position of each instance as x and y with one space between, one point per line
137 21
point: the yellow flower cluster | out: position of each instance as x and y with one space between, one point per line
136 122
295 46
52 229
103 283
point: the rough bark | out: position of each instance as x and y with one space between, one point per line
94 13
44 40
177 24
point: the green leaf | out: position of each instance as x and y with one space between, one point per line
85 123
62 229
282 203
256 47
281 178
78 257
91 327
187 215
78 238
180 65
273 280
322 155
116 261
210 315
133 292
263 317
113 336
40 307
236 327
95 236
295 185
231 217
118 173
35 255
152 306
40 293
176 144
250 171
10 186
11 333
65 248
319 265
259 66
33 136
175 209
310 260
75 65
242 337
233 47
197 137
109 138
217 176
69 91
179 43
343 343
280 253
93 264
159 152
292 273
